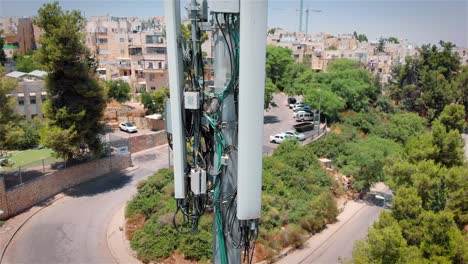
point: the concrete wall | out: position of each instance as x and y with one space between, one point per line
142 142
26 195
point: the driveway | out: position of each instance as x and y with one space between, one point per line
73 230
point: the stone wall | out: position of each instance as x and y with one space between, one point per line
3 199
26 195
142 142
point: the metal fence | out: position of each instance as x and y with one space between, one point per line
28 172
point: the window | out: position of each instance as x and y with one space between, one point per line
101 41
130 40
299 47
32 99
153 88
296 56
151 39
152 77
159 65
122 40
150 65
21 100
156 50
43 98
122 52
33 116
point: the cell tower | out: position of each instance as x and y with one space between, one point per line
216 132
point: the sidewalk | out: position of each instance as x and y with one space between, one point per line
316 241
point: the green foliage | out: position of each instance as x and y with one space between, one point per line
393 40
291 74
297 193
76 101
277 60
118 90
427 82
270 90
381 45
27 62
154 102
2 52
453 117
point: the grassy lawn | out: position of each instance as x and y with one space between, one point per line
30 157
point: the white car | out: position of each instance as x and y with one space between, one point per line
278 138
128 127
295 134
298 106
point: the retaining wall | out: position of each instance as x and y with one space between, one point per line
24 196
142 142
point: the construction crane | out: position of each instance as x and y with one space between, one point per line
216 132
307 18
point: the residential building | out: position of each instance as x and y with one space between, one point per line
26 40
130 49
29 94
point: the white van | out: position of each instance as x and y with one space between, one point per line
304 116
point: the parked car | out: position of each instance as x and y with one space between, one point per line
295 134
303 127
128 127
291 100
278 138
297 106
304 116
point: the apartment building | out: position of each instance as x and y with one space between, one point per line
130 49
29 94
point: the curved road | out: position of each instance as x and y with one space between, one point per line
73 229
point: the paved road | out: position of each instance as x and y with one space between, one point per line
335 243
340 244
74 229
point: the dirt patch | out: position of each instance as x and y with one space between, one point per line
133 224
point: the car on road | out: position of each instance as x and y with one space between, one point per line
295 134
128 127
278 138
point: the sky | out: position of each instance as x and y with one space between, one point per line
418 21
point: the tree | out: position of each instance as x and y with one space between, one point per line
270 90
453 117
362 38
7 112
76 101
118 90
2 52
393 40
460 85
277 60
27 62
381 45
154 102
290 82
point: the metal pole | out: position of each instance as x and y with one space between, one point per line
43 166
169 155
176 85
307 21
222 70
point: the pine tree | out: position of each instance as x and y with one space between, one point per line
75 99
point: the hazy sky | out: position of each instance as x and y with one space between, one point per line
418 21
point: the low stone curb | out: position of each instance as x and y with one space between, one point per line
116 242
